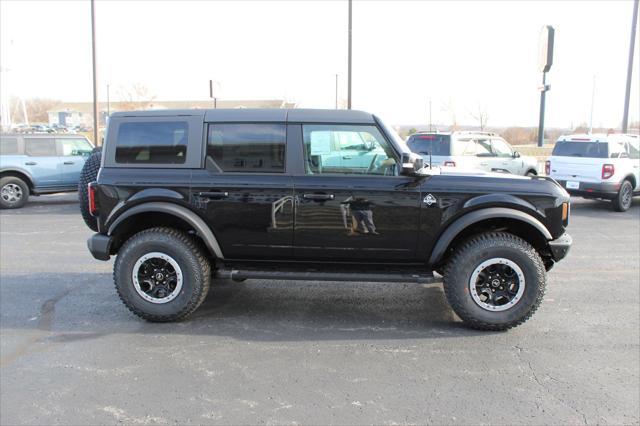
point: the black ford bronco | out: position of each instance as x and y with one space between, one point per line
184 197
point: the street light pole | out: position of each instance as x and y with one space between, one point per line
627 95
108 102
349 61
593 97
95 86
336 91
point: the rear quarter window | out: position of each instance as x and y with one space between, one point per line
8 146
580 149
153 142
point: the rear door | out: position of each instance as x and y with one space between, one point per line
579 161
42 161
633 149
244 191
353 213
74 152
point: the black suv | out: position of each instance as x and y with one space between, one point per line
186 196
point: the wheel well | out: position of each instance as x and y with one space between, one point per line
534 171
146 220
632 179
527 232
20 175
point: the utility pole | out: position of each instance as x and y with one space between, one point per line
593 96
349 61
95 86
429 114
627 95
215 99
545 62
336 91
108 102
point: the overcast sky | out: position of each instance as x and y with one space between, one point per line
461 55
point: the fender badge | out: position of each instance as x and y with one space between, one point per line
429 199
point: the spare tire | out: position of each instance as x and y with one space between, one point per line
89 174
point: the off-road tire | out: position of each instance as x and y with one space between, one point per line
24 191
620 204
478 249
88 174
185 250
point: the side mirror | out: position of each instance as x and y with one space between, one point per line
411 163
516 154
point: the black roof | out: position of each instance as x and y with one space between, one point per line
265 115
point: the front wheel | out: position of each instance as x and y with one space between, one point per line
495 281
622 201
14 192
161 274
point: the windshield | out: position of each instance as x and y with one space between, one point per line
430 144
580 149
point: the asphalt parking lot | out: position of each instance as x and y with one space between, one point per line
275 352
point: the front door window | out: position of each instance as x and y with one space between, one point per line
347 149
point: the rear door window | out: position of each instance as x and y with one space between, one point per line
153 142
430 144
40 147
8 146
580 149
247 148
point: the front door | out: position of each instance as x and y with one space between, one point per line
244 192
353 210
74 152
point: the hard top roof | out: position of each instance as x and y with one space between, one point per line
261 115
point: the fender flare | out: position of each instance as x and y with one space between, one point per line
202 229
31 182
476 216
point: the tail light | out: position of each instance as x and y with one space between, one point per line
607 171
547 167
449 163
93 207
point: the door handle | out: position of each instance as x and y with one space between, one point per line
484 164
68 162
318 197
30 163
214 195
346 157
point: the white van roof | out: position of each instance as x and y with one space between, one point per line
598 137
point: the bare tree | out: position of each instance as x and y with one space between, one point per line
135 97
37 109
481 115
449 107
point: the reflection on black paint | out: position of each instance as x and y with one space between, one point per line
357 216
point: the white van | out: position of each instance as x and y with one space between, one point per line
598 166
471 150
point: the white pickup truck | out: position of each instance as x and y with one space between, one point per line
598 166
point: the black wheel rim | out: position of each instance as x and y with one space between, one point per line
497 284
157 277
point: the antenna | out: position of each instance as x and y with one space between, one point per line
430 153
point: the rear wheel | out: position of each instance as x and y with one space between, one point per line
14 192
161 274
622 201
531 173
495 281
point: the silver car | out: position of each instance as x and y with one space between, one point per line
471 150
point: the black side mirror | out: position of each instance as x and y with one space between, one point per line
411 163
516 154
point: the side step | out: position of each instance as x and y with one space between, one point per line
399 277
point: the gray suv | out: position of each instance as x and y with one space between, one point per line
39 164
